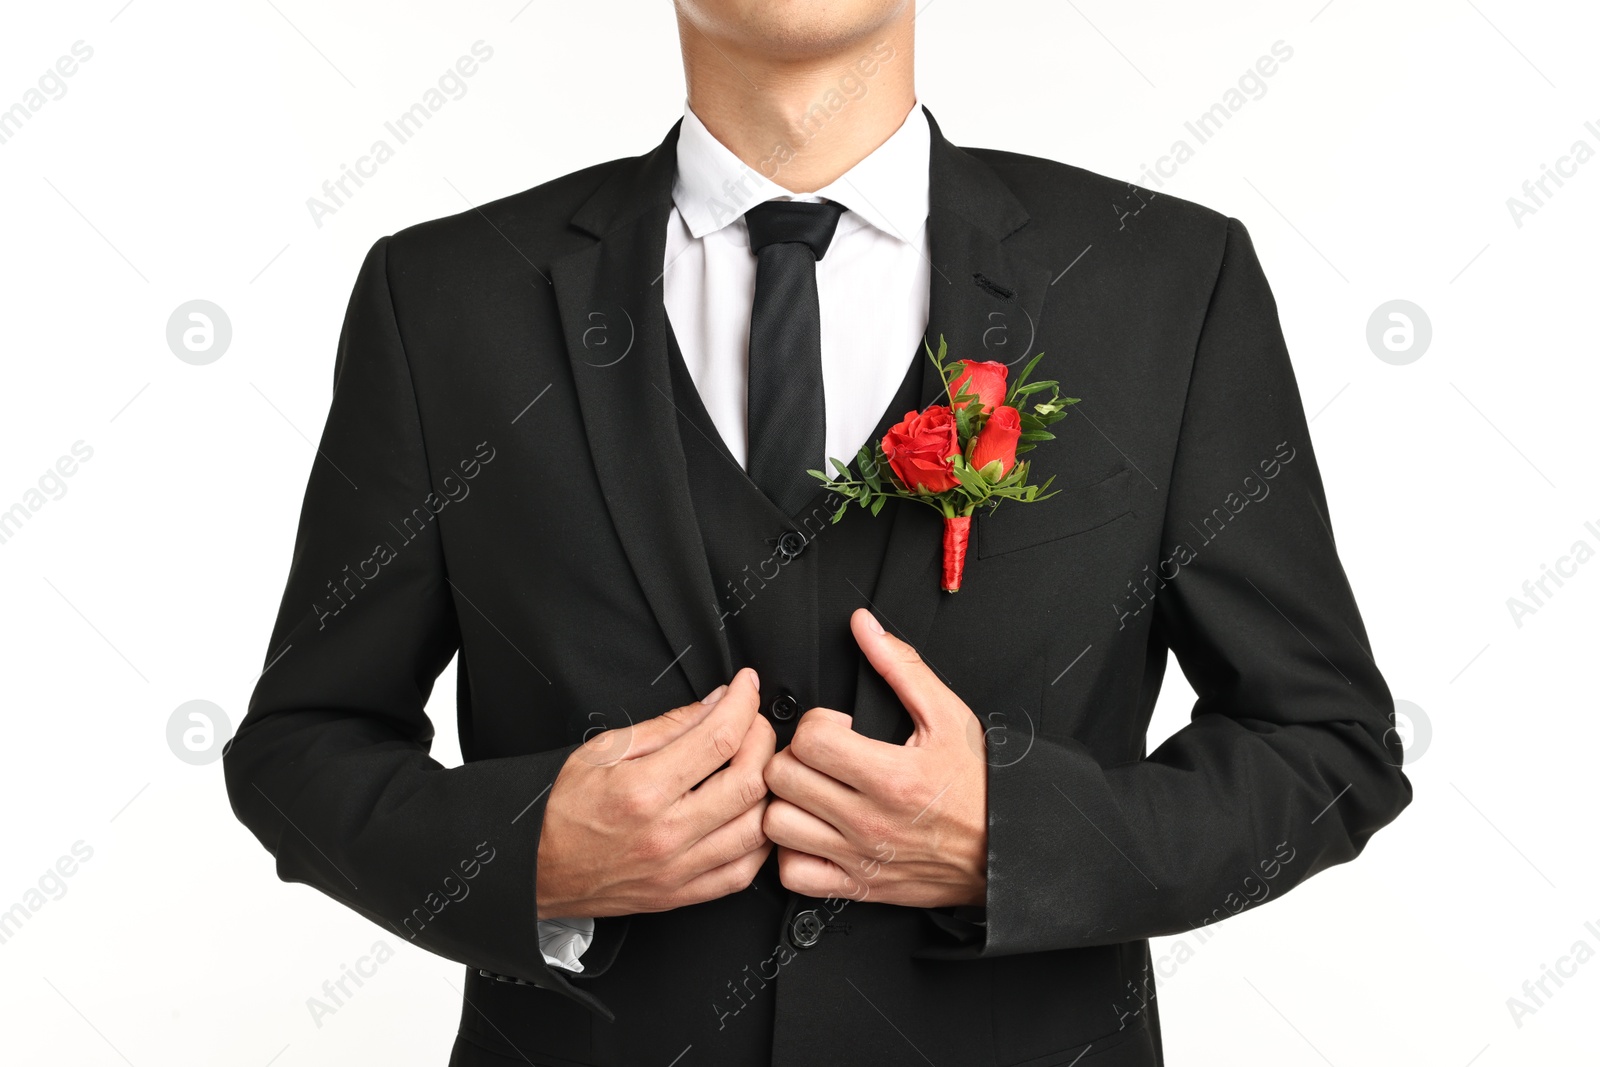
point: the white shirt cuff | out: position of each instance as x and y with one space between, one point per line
563 940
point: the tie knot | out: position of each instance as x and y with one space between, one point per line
793 221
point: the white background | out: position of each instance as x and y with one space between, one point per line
1376 167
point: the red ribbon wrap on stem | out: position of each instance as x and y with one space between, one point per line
957 528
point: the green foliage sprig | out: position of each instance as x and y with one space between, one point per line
1039 404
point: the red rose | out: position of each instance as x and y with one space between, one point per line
919 448
986 381
998 440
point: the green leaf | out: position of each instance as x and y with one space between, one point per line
971 480
869 471
964 422
1023 377
877 505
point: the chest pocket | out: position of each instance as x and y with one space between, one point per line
1072 510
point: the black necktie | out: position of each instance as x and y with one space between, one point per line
785 402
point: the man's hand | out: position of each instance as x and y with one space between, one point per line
640 819
863 819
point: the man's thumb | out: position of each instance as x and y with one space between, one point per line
647 736
920 691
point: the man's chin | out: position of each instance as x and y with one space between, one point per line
795 29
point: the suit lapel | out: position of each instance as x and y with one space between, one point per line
614 323
986 300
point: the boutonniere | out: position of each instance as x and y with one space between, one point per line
961 455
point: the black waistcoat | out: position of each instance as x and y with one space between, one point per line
786 587
786 584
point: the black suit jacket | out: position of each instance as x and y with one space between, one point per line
501 479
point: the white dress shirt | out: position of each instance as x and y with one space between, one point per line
872 291
872 285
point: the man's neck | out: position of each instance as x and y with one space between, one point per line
801 122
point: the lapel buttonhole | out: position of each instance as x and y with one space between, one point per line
993 288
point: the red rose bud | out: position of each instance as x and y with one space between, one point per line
957 529
997 443
919 448
986 381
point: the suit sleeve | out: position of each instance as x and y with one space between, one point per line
1288 764
330 768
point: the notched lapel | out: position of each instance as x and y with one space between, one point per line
987 302
614 324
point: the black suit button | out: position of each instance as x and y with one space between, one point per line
805 929
791 544
784 707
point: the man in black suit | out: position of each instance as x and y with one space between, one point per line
568 445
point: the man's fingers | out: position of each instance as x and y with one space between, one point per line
794 827
814 876
642 738
709 743
826 797
737 787
824 741
913 681
728 878
736 837
837 718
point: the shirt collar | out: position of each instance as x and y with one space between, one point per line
888 189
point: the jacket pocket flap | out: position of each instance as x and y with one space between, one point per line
1072 510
